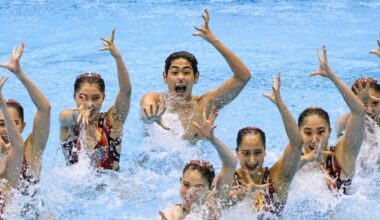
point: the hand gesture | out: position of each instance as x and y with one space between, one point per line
155 116
324 69
275 95
252 187
165 215
207 129
204 31
315 155
362 92
110 46
376 52
83 112
13 64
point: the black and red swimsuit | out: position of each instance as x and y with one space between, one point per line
105 152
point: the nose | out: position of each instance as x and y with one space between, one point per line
181 75
252 159
315 139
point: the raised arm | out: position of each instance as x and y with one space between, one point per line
287 165
120 109
349 145
41 124
14 160
229 161
232 87
377 51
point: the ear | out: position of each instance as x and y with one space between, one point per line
196 77
180 180
164 75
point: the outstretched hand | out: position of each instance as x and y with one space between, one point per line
110 46
84 112
324 69
204 31
13 64
315 155
207 128
166 215
377 51
156 116
252 187
275 95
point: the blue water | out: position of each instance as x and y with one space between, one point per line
62 40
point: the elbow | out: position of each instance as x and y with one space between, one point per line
246 76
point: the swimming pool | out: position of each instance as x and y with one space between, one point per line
62 40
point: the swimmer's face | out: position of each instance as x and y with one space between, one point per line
251 153
194 187
372 106
180 78
90 94
315 132
15 116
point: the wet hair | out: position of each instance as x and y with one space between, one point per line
16 105
249 130
363 81
92 78
181 54
204 167
313 111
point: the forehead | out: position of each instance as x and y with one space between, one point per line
251 142
314 121
13 113
194 177
89 89
180 63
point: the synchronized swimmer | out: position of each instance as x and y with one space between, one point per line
87 132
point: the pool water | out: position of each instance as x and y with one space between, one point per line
62 40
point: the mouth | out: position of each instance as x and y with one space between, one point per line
4 136
181 89
252 167
312 147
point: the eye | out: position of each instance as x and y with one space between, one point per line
96 98
257 153
321 132
186 185
245 153
187 72
307 133
16 122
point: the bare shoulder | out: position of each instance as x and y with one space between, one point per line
151 96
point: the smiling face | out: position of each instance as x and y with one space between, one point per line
251 153
180 78
194 187
15 116
315 131
90 94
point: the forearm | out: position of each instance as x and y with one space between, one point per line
228 159
352 101
36 95
239 69
291 127
123 76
